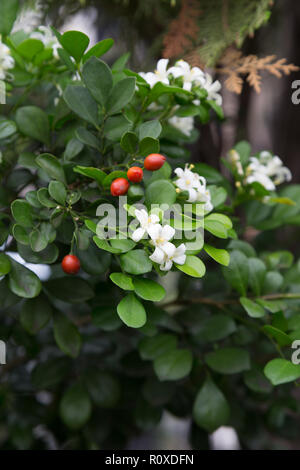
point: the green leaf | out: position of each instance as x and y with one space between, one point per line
237 272
272 306
193 266
5 264
120 63
281 371
30 48
150 129
99 49
120 95
216 327
257 273
47 256
7 128
103 388
115 127
51 166
132 312
87 137
9 10
73 148
129 142
173 365
58 191
123 281
75 43
228 360
112 176
282 338
93 261
35 314
73 290
49 373
161 89
23 282
160 192
136 262
256 381
211 409
253 309
221 256
216 228
33 122
243 148
151 348
75 407
91 172
43 198
148 145
38 241
81 102
66 335
106 318
22 212
149 290
97 77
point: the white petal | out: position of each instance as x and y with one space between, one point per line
157 256
154 231
179 172
179 259
187 86
192 195
162 65
154 219
169 249
138 234
166 266
167 232
141 215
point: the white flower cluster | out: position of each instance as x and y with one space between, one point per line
6 61
191 76
165 252
44 34
195 185
268 170
29 18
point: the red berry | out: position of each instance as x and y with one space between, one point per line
119 187
135 174
154 161
70 264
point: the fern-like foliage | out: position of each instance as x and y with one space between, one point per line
235 66
209 27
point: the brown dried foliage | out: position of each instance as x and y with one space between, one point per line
183 30
235 66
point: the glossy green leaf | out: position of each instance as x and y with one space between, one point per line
237 272
151 348
33 122
281 371
51 165
228 360
75 407
211 409
98 79
173 365
219 255
132 312
5 264
81 102
66 335
253 309
148 289
23 282
122 280
193 266
136 262
120 95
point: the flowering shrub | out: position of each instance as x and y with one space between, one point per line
148 287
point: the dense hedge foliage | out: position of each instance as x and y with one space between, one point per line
148 324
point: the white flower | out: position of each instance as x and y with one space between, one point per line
29 18
160 236
184 124
195 185
160 75
212 89
268 170
190 75
177 255
45 35
6 61
146 222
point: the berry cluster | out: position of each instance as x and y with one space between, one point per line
120 186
